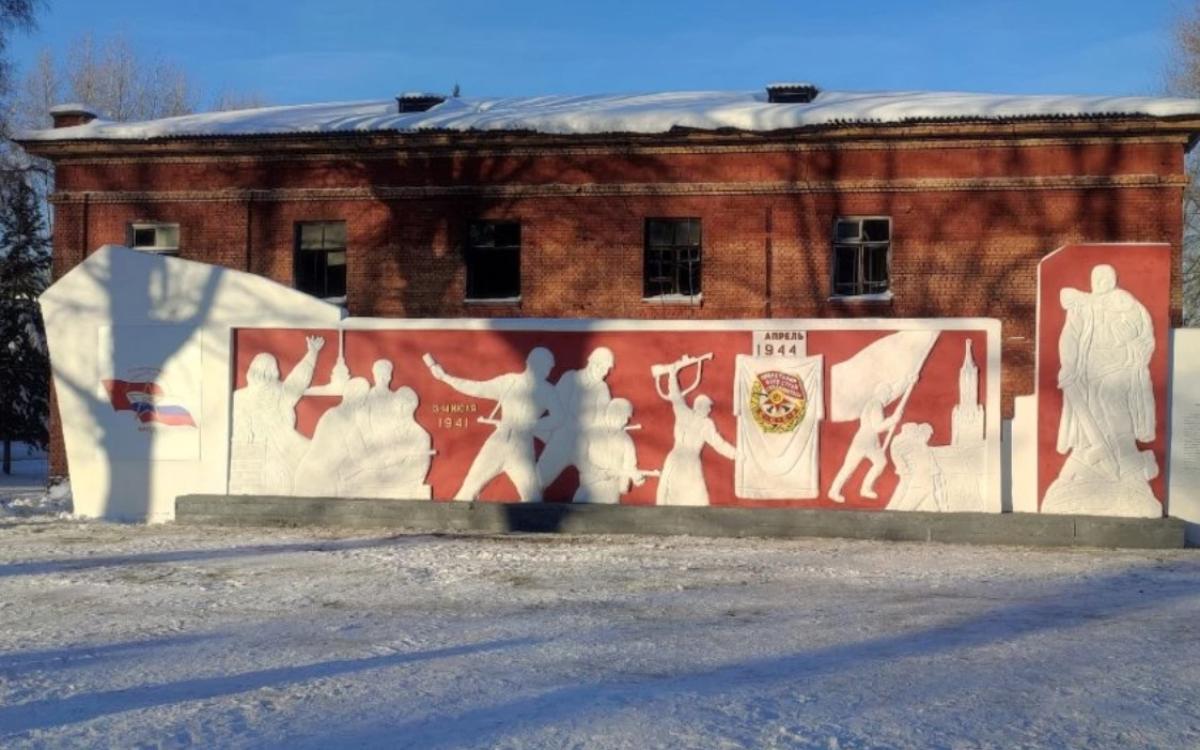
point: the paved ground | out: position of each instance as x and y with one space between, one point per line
191 636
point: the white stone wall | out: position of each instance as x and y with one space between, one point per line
138 318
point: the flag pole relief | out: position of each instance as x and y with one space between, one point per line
899 415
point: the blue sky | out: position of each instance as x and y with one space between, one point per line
292 51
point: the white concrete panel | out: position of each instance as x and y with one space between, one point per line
1024 462
1184 477
154 389
180 314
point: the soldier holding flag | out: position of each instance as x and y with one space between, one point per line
863 386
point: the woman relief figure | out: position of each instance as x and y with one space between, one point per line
682 480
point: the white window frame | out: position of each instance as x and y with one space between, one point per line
885 294
157 248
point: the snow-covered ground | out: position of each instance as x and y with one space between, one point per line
23 492
178 636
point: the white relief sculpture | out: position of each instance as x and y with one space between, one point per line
682 480
920 486
1108 403
865 444
521 401
966 420
962 465
583 397
266 450
381 380
338 376
338 441
611 467
863 386
779 403
398 450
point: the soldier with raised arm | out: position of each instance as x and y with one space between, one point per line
682 480
526 405
266 449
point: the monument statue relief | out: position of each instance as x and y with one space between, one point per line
1108 404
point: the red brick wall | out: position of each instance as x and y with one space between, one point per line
902 161
959 248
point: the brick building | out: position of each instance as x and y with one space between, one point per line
785 203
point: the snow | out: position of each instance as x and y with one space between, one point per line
24 491
72 108
175 636
676 298
871 297
632 113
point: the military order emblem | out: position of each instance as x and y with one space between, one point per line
778 401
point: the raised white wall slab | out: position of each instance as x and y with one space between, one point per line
1023 452
1184 482
157 329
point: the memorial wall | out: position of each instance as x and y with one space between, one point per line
175 377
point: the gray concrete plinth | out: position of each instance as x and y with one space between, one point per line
422 515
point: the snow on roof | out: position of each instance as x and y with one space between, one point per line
632 113
71 108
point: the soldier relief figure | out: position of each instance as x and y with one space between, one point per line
367 445
526 406
1108 404
611 466
682 481
583 397
266 449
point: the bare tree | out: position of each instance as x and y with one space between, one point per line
228 101
112 77
1183 78
15 15
109 76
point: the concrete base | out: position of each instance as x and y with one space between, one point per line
423 515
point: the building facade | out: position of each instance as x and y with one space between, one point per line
865 213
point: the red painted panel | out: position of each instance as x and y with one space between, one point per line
1145 272
482 354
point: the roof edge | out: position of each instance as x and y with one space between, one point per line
1185 127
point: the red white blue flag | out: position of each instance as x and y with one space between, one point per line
145 400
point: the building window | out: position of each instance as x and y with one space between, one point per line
493 259
861 255
320 266
672 266
154 237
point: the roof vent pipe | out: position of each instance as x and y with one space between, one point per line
418 101
792 93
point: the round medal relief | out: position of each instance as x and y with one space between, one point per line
778 401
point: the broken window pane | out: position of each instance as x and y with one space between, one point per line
861 256
672 258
